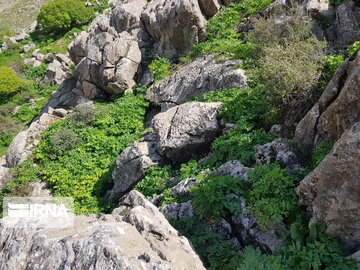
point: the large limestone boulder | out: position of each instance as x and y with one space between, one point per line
108 54
186 130
332 190
132 165
203 75
135 236
337 109
346 28
175 26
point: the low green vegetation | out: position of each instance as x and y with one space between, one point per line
10 83
160 68
62 15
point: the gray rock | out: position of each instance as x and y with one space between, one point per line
132 164
336 110
175 26
319 9
178 210
356 256
234 168
332 190
182 189
210 7
276 151
22 145
60 112
346 28
108 54
139 238
186 130
28 47
196 78
55 73
248 231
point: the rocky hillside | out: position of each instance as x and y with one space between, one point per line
191 134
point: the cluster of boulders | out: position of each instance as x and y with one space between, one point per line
135 236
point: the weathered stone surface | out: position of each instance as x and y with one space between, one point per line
319 9
234 168
332 190
4 172
23 144
178 210
337 109
182 189
346 28
132 165
108 53
210 7
203 75
175 26
138 238
278 150
186 129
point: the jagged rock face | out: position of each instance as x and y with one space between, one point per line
134 236
132 165
337 109
108 53
233 168
278 150
186 130
22 145
210 7
175 26
332 190
178 210
203 75
57 70
346 28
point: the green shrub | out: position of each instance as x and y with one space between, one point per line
155 181
64 140
330 64
336 3
319 153
9 83
61 15
211 196
190 169
354 48
160 68
272 196
8 130
237 145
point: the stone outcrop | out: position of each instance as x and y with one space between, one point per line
135 236
337 109
57 70
175 26
132 165
332 190
233 168
186 129
196 78
108 53
23 144
178 210
346 28
278 150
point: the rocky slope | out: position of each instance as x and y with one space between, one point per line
111 58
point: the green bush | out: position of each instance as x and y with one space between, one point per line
39 72
160 68
237 145
9 83
8 130
354 48
330 64
155 181
61 15
272 196
210 196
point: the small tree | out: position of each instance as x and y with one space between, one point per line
61 15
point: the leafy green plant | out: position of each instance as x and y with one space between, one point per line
319 153
336 3
354 48
10 83
331 63
272 196
190 169
237 145
211 196
160 68
36 72
60 15
155 181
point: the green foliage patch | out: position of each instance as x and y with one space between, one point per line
10 83
160 68
61 15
